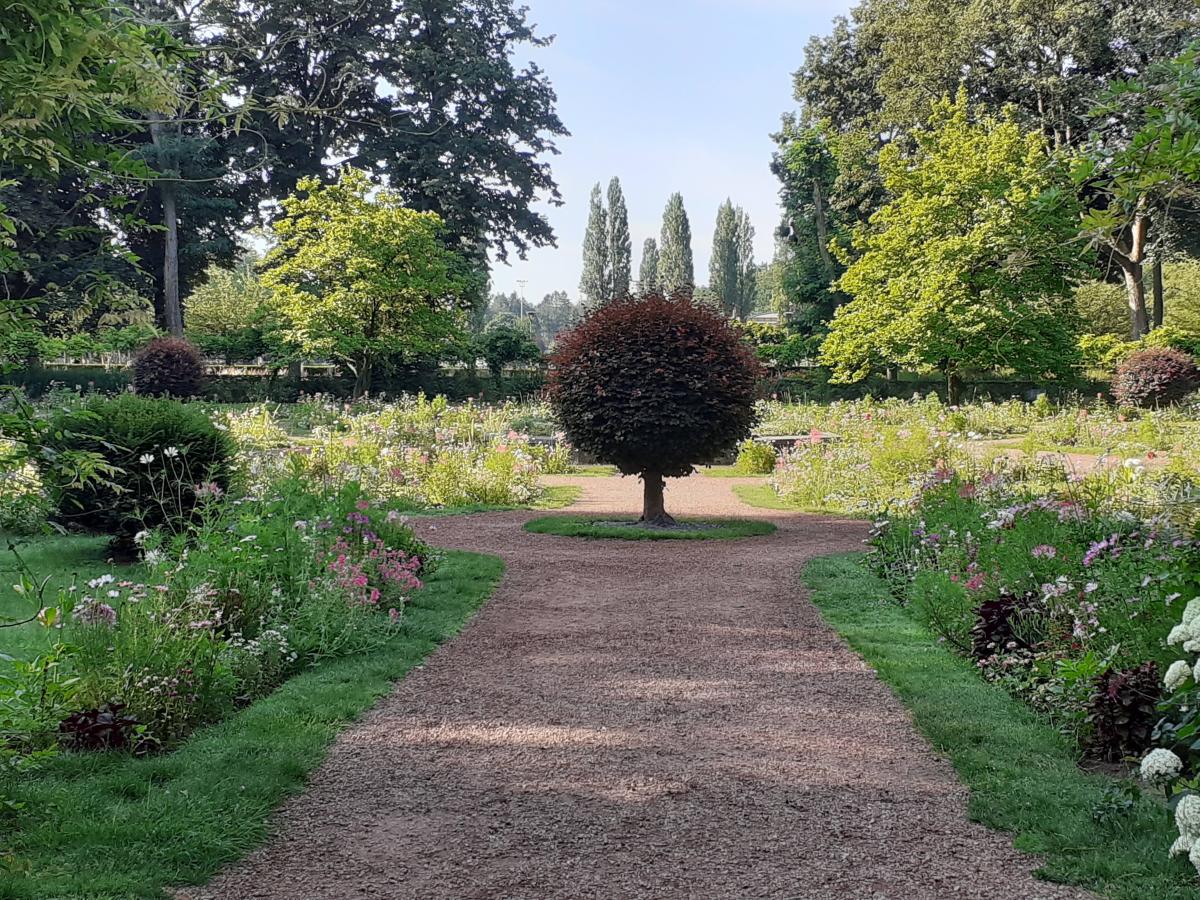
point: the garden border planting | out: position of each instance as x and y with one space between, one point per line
114 826
1021 772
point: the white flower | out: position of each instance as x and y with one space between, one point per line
140 537
1182 845
171 452
146 458
1187 816
1161 765
249 538
1178 635
1191 645
1191 612
153 557
1179 673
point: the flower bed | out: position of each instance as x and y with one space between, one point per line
416 452
212 619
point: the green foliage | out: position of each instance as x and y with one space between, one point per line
231 315
620 250
159 455
170 367
970 266
356 274
597 268
503 345
676 271
648 282
654 385
755 458
732 273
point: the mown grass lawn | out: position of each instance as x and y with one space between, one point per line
632 530
108 825
1022 774
60 561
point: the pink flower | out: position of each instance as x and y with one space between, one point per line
1044 551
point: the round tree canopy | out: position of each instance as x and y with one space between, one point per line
654 386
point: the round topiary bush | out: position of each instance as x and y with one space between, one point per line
1155 377
170 367
157 461
654 386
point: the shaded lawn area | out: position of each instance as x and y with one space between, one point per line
1021 772
108 825
65 560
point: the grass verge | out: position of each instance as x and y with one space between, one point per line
727 472
582 526
1021 772
761 496
111 826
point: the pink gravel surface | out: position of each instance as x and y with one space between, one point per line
657 719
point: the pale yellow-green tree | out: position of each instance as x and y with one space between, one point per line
358 276
970 266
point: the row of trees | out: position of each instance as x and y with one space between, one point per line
139 138
1063 150
667 265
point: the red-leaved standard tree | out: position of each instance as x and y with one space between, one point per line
654 386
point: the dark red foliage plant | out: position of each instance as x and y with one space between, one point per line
1156 377
654 385
170 367
1123 711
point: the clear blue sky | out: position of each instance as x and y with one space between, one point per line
668 95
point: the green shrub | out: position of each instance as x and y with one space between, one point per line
756 458
1155 377
161 453
168 367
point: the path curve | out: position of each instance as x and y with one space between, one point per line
666 719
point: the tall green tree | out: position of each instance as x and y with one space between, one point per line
747 271
648 269
358 275
620 248
971 266
676 270
723 269
1139 171
597 272
465 131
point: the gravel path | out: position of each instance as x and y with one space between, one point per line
667 720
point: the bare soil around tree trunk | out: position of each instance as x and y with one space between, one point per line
662 719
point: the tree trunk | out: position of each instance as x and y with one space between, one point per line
362 377
1135 290
653 505
1130 255
822 230
172 311
1156 285
171 305
953 387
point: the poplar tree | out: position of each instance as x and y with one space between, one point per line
620 249
597 273
648 273
747 271
675 268
723 264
